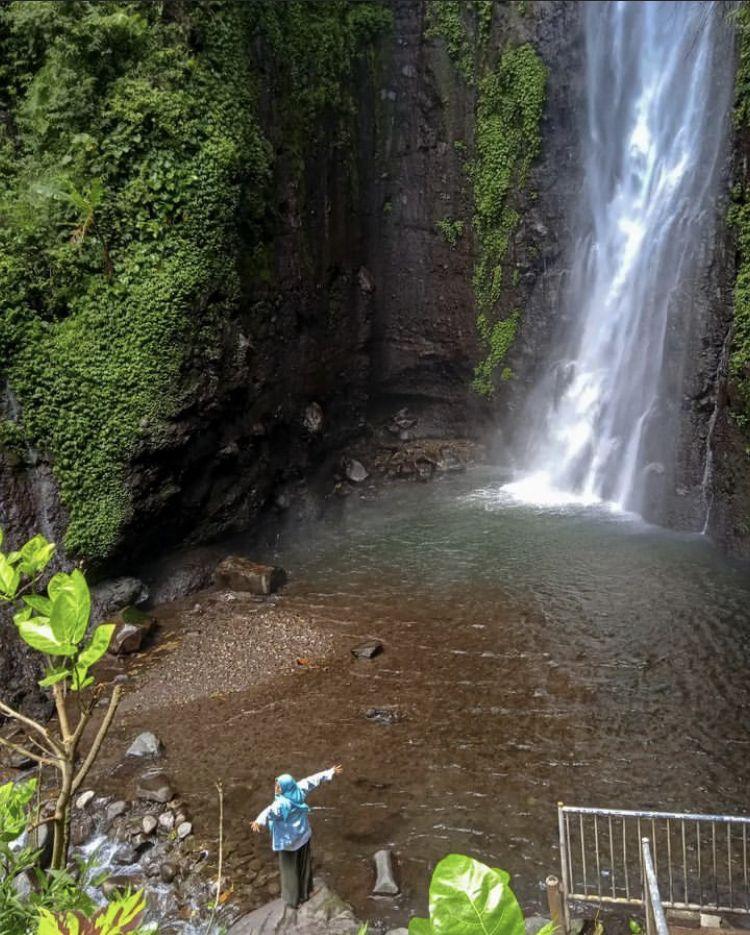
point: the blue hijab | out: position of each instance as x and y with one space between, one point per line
291 798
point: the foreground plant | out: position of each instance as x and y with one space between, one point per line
123 915
54 621
469 898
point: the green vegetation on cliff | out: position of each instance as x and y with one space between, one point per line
739 218
133 171
507 141
509 107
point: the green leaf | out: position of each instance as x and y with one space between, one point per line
420 927
14 797
35 555
71 609
96 648
21 615
10 578
42 605
467 898
39 635
53 677
56 583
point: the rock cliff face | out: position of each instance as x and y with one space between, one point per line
365 303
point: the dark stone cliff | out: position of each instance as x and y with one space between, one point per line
364 308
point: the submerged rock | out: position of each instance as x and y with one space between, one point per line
385 882
313 419
146 744
240 574
385 714
367 650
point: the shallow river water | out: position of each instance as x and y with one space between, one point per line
537 655
532 655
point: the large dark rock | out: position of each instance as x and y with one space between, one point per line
323 914
240 574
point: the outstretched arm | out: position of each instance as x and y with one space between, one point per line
312 782
262 820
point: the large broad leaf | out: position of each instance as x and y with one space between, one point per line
469 898
71 609
10 578
56 584
42 605
35 555
420 926
39 635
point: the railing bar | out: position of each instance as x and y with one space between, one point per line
630 813
700 872
570 851
653 842
640 855
684 861
744 867
583 855
729 864
596 848
611 855
713 849
625 860
669 859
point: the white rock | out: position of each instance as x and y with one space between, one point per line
385 884
166 820
183 830
145 744
84 798
149 824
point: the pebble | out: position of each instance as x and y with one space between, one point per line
149 824
146 744
183 830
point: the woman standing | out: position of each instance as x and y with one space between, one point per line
287 817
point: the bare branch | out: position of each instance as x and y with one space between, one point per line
99 739
54 748
28 753
62 711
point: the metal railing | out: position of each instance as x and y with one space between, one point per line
656 921
699 861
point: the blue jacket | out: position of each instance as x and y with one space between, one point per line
292 833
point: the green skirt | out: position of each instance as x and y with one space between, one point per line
296 875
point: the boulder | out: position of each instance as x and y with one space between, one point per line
355 471
167 821
184 828
115 809
154 786
367 650
385 881
81 829
240 574
323 914
120 882
146 744
108 597
132 629
125 856
167 872
84 798
149 824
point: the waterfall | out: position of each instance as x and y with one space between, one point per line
605 416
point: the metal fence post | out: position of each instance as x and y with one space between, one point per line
563 869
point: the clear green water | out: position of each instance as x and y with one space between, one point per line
535 655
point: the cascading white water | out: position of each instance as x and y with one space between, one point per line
658 79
